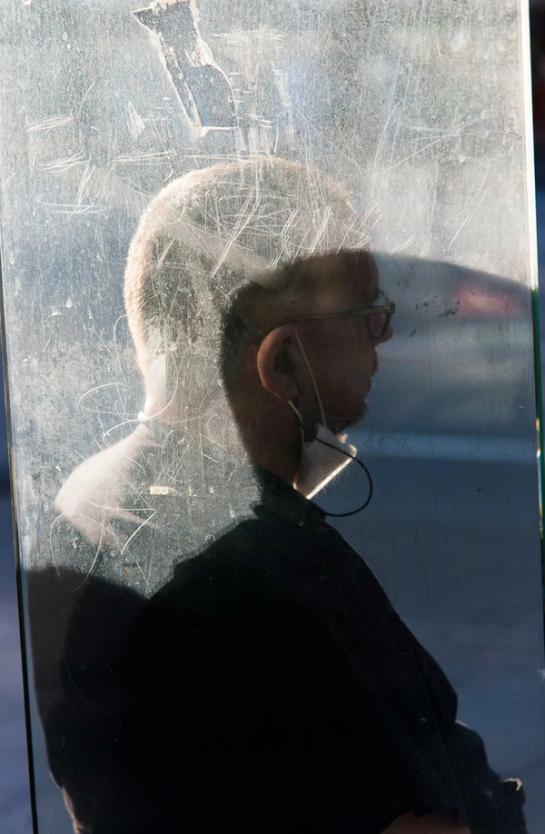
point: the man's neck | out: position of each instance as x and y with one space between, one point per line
283 467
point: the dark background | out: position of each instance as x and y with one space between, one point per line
15 814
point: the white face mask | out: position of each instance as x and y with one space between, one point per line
322 459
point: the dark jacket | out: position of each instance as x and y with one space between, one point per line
274 688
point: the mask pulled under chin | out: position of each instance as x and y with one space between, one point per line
322 459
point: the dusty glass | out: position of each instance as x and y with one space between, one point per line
196 198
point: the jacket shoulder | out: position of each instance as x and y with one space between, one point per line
228 573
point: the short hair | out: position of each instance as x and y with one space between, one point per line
294 289
208 234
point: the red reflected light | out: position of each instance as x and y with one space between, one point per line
477 301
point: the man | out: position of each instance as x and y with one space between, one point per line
269 685
276 688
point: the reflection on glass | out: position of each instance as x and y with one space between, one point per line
269 683
310 372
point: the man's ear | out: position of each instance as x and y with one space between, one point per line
275 364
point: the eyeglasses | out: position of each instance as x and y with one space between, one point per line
378 317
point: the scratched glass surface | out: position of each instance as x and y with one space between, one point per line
398 125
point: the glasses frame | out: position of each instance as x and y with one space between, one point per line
388 307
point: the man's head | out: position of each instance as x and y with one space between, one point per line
305 336
234 251
316 311
203 238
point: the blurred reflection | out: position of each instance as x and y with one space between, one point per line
182 474
269 684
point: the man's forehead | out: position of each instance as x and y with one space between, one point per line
342 281
318 285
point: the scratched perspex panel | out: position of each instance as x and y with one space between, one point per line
418 111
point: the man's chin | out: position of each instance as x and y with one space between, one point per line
344 423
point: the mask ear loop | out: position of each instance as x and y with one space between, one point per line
297 414
314 384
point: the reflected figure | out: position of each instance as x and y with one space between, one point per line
269 685
128 512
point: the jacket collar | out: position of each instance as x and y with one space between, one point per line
280 499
